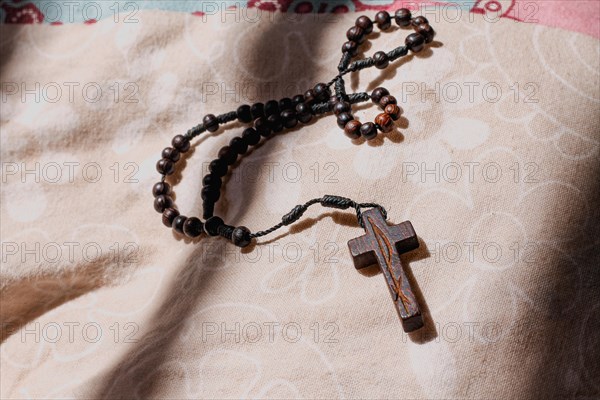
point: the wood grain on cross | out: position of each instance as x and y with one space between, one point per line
383 244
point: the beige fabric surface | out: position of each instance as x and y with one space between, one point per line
508 264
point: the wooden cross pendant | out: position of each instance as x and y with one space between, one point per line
383 244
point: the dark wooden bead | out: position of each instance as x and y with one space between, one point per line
162 202
381 60
161 188
419 20
212 180
171 154
218 167
352 129
210 193
364 23
356 34
178 222
239 145
350 47
303 113
257 110
241 236
368 130
181 143
403 17
228 155
309 96
393 111
251 136
289 118
165 167
262 126
210 122
193 227
343 119
275 123
321 91
387 99
244 113
271 107
211 226
415 42
297 99
426 31
341 107
378 93
208 209
286 104
383 20
168 216
385 122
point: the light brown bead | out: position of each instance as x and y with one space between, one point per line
393 111
385 121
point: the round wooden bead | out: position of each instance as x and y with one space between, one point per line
350 47
341 107
210 122
356 34
162 202
211 226
238 145
415 42
309 96
228 155
321 91
385 122
393 111
262 126
378 93
289 118
257 110
303 113
387 99
352 129
181 143
419 20
403 17
297 99
364 23
271 107
193 227
241 236
368 130
275 122
210 193
212 180
383 20
178 222
286 104
426 31
381 60
168 216
165 167
251 136
161 188
343 119
244 113
218 167
171 154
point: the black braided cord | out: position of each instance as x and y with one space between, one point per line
330 201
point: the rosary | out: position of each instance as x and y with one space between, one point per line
382 243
